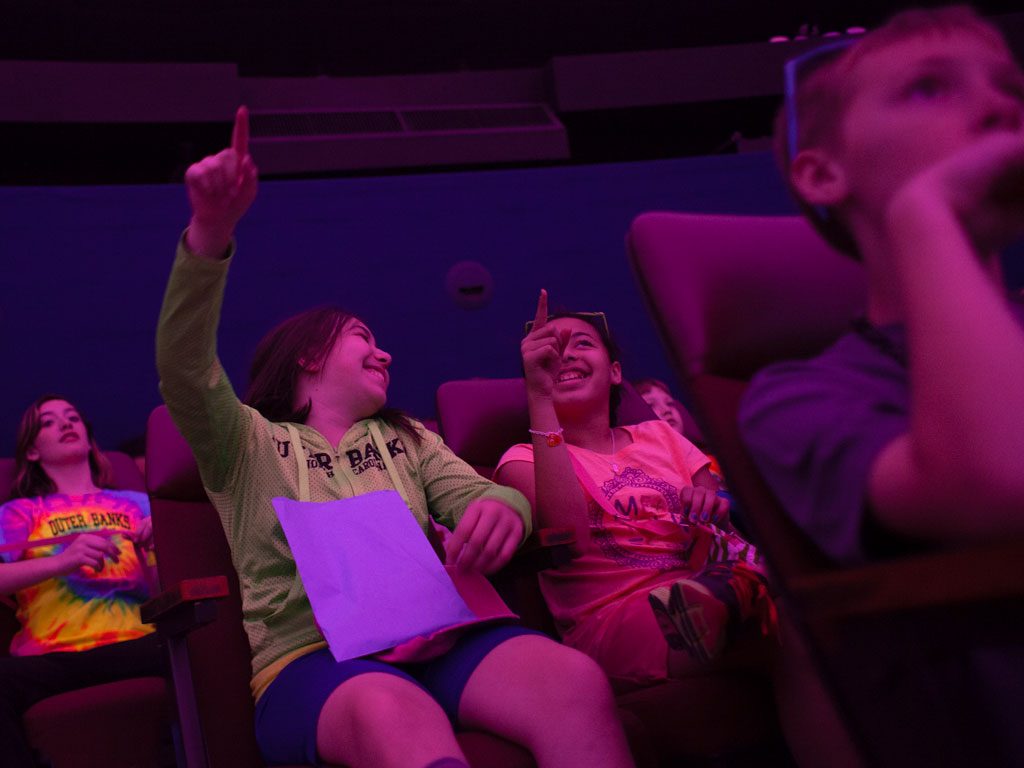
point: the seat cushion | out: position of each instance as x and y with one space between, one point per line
713 714
114 724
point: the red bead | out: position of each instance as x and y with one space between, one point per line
554 439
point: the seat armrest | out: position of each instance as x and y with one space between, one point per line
979 573
188 605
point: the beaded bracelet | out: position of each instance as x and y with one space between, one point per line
552 438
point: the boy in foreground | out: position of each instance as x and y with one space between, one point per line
906 151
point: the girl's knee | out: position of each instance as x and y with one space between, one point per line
383 720
386 703
374 702
575 676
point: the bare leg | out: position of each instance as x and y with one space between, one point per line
553 700
382 721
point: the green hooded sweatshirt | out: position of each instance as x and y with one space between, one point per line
245 460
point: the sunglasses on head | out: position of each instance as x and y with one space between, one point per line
597 319
795 72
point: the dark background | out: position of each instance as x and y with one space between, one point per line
89 213
86 267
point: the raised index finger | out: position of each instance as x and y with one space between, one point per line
542 310
240 135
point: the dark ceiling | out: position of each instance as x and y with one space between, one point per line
344 38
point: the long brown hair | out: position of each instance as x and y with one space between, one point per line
302 342
30 479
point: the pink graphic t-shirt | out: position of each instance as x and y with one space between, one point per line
640 536
80 610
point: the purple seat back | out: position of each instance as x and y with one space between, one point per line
171 471
482 418
190 543
731 294
734 293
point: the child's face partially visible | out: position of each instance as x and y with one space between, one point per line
918 102
664 407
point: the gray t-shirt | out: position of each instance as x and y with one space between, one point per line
814 428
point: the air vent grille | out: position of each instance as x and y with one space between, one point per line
475 118
324 123
309 141
432 120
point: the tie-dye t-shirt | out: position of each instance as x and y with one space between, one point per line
80 610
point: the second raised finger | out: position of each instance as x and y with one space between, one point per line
240 132
541 316
707 505
476 552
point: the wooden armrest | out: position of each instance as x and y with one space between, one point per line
985 572
186 606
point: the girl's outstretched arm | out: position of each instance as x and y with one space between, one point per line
192 381
221 188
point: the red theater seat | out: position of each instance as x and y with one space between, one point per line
64 728
731 294
213 669
724 715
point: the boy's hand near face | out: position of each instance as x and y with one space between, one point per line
982 187
965 349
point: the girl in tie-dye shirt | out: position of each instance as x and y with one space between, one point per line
80 577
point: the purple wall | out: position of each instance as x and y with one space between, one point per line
84 270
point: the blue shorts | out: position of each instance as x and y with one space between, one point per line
288 711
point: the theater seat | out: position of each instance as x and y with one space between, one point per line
67 729
731 294
481 418
212 674
724 715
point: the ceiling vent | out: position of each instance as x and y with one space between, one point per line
314 141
